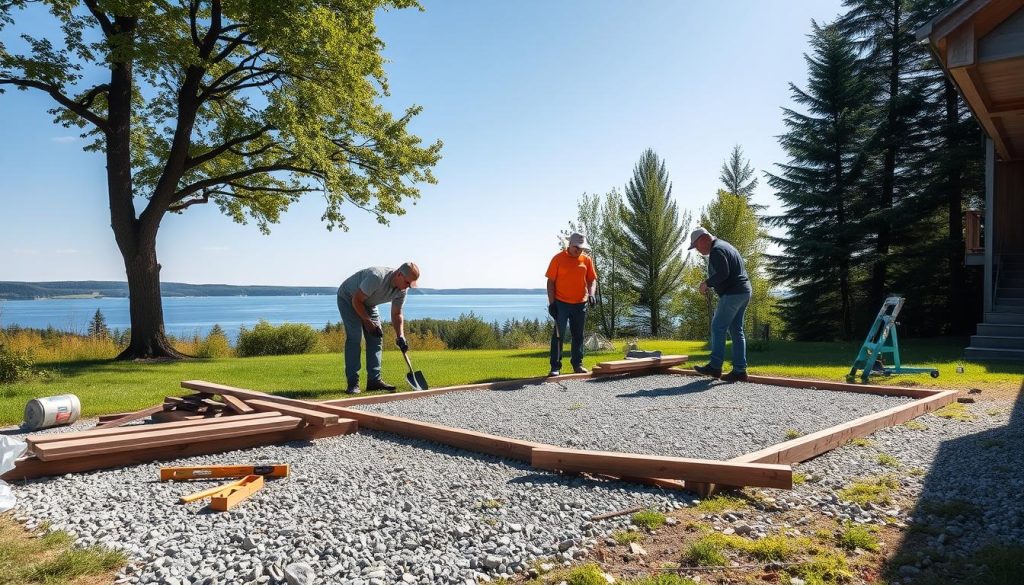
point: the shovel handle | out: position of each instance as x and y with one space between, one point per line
407 362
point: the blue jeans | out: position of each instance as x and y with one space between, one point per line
576 315
729 317
353 335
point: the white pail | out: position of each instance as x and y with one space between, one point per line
50 411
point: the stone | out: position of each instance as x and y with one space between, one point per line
299 574
636 549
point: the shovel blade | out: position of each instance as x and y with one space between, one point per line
411 378
420 380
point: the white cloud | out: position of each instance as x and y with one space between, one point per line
25 251
64 139
65 251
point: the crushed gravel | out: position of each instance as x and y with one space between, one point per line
373 508
654 415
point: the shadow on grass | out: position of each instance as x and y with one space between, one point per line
79 368
967 501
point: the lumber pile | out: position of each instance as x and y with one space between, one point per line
197 424
629 366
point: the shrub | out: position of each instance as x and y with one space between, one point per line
285 339
14 365
216 344
469 332
705 552
853 536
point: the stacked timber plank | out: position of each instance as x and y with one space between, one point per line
630 366
198 425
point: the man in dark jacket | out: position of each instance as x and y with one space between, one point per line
728 276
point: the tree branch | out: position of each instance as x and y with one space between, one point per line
101 17
61 99
227 179
193 162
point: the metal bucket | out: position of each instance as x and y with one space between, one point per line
51 411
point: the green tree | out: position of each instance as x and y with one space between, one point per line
884 33
246 105
653 241
601 219
98 326
737 175
820 190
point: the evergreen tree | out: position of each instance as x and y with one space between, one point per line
601 219
820 190
884 33
98 326
737 176
653 241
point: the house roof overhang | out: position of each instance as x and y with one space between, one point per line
980 44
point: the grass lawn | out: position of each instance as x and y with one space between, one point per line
107 386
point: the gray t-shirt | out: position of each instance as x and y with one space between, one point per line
375 282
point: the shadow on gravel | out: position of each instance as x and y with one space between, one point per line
699 385
968 525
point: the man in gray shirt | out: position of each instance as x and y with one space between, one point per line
358 298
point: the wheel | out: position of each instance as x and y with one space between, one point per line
935 373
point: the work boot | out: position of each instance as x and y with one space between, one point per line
379 384
708 371
735 376
353 388
580 370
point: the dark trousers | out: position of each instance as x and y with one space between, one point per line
576 315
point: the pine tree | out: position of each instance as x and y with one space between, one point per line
653 236
737 176
98 326
820 190
600 218
884 33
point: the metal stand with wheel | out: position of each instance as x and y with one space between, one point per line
881 340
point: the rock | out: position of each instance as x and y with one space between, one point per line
299 574
909 570
965 400
796 581
742 529
636 549
974 391
492 561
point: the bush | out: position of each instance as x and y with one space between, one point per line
286 339
469 332
14 365
216 344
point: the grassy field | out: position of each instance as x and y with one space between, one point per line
107 386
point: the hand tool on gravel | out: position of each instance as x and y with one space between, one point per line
222 471
415 379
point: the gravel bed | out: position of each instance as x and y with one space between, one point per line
655 415
366 508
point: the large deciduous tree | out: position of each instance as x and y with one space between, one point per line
654 236
244 104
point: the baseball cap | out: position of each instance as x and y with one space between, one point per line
696 235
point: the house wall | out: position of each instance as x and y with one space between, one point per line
1009 207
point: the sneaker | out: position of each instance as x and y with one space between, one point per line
379 384
555 373
735 376
580 370
353 389
708 371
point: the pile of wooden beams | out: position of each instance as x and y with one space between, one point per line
631 366
198 424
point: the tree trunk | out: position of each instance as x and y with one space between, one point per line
954 202
148 339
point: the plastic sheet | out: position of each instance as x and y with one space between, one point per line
10 450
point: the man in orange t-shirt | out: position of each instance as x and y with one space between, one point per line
572 281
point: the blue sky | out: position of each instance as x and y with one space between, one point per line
536 103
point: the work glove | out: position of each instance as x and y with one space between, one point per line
402 344
553 311
591 301
372 328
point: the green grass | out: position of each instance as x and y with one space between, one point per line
861 442
824 568
955 411
874 491
854 536
627 536
887 460
26 559
664 579
649 519
720 503
105 386
915 425
792 434
799 478
707 551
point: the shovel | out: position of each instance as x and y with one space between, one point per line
415 379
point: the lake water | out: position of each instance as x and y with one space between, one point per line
187 316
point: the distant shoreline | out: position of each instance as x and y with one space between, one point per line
95 289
